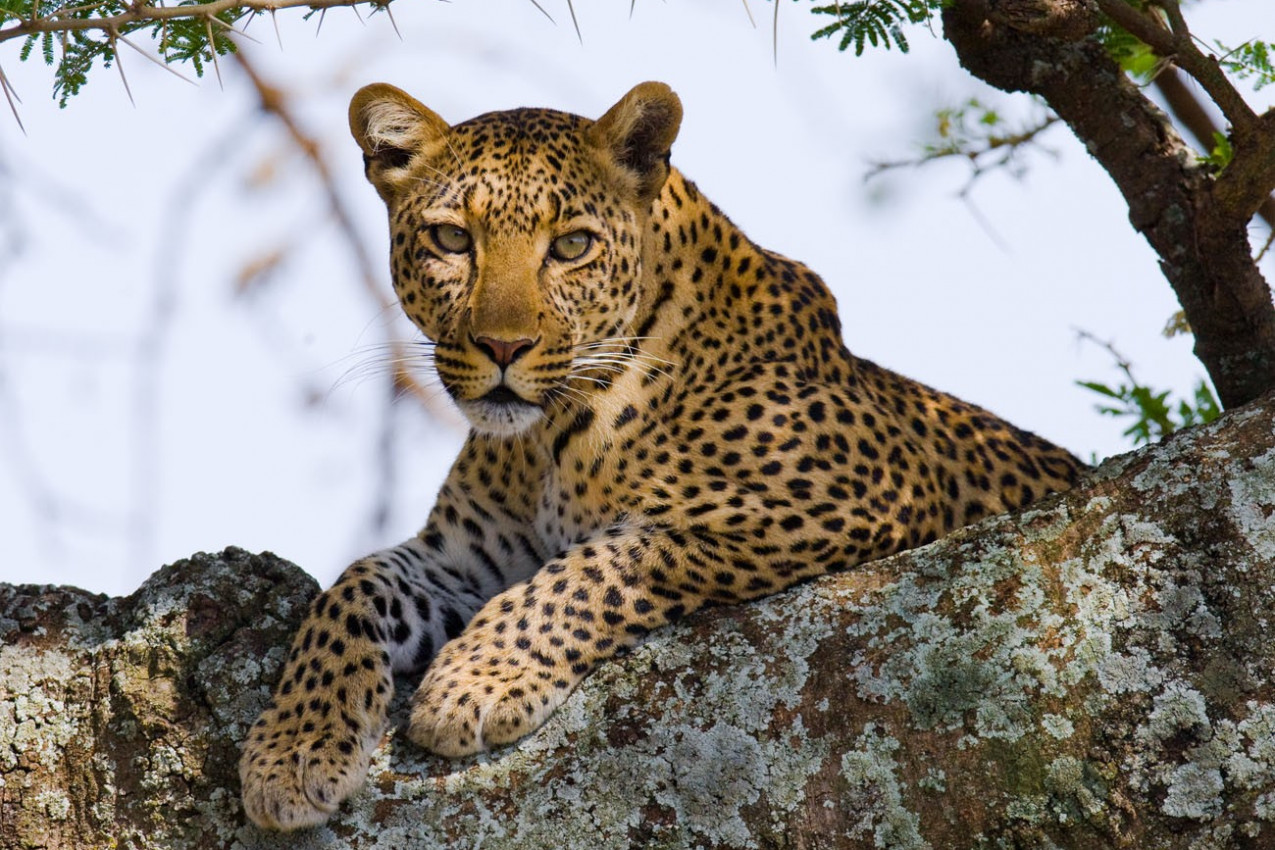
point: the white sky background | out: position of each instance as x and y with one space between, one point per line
240 430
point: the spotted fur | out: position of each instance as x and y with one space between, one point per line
668 420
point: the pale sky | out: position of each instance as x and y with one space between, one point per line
127 442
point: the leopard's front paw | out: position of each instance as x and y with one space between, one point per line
476 696
311 748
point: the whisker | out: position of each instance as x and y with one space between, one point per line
620 365
598 381
390 358
620 348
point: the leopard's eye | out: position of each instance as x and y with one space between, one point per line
571 246
451 238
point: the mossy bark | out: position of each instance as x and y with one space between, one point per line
1094 672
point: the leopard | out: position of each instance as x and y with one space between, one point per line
662 416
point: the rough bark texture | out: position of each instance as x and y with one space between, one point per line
1195 221
1095 672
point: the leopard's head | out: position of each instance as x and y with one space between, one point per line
516 240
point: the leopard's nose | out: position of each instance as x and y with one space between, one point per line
503 352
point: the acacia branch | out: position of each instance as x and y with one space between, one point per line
141 14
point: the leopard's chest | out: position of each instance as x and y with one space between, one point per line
577 499
590 484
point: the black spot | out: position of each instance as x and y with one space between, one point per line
453 625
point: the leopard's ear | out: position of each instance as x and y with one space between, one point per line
391 127
639 131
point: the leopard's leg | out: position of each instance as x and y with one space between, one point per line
529 646
388 613
311 746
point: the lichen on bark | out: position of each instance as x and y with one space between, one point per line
1094 672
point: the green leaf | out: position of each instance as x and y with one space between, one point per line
1102 389
1222 153
875 22
1252 59
1154 415
1134 57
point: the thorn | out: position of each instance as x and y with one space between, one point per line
240 32
543 11
572 8
323 13
277 35
212 48
163 65
12 96
748 11
393 22
119 64
775 34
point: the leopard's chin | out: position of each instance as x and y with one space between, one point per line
501 413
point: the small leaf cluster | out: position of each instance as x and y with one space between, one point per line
964 128
1155 413
193 40
1222 153
876 22
1134 57
1252 59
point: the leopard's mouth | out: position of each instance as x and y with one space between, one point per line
504 395
500 412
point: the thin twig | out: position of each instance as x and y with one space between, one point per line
1266 247
1122 362
274 102
1007 145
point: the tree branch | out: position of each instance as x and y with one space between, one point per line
275 103
1177 45
1192 115
1093 674
1246 182
1197 224
143 13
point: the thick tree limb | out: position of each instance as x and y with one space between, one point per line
1095 673
1196 223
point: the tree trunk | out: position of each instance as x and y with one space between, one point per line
1195 220
1096 672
